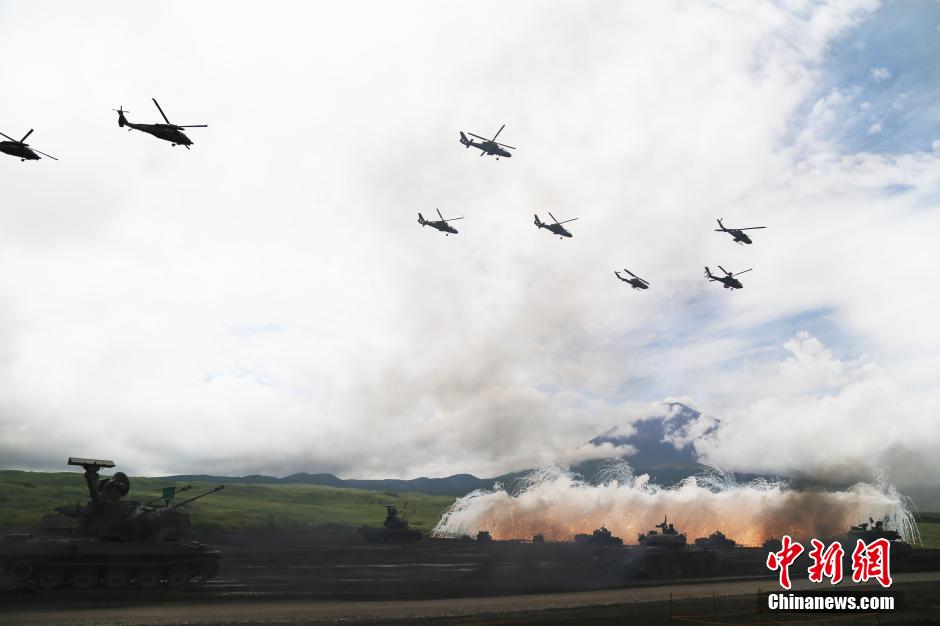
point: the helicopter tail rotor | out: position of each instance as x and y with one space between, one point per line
121 119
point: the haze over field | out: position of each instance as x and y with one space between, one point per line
267 303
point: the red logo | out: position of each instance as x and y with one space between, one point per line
872 561
826 563
782 560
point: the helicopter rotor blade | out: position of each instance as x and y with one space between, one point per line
23 140
498 132
453 219
194 126
744 272
566 221
505 146
8 137
630 273
44 154
752 228
724 270
553 217
478 137
439 214
161 111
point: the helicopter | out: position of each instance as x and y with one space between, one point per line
441 225
167 132
557 227
636 282
737 233
729 280
21 149
487 146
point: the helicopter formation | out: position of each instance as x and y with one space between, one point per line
491 147
174 134
169 131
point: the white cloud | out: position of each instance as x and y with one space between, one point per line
880 74
935 146
818 415
864 106
129 270
874 129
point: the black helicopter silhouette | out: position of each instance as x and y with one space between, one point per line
636 282
21 149
487 146
557 227
737 233
441 225
729 281
167 132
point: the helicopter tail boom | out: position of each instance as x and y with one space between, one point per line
421 220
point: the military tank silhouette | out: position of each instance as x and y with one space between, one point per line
667 554
600 537
394 530
716 541
870 531
484 536
110 542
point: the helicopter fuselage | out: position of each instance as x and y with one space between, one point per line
739 236
17 149
488 147
636 283
558 229
166 132
444 227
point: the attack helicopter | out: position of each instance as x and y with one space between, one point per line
729 280
636 282
21 149
737 233
167 132
557 227
441 225
487 146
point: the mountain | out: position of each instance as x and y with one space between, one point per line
661 444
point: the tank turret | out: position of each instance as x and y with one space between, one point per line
716 541
600 537
668 538
79 546
395 529
870 531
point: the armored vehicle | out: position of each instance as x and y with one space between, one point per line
716 541
110 542
600 537
871 531
394 530
667 554
484 536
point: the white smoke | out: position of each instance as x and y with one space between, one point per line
556 503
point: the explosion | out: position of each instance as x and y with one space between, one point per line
558 504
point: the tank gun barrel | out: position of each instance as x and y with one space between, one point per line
188 500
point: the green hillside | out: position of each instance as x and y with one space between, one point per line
26 496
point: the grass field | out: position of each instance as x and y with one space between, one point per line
26 496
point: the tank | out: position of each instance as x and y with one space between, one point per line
600 537
394 530
667 554
716 541
110 542
484 536
871 531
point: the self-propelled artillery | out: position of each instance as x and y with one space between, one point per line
110 542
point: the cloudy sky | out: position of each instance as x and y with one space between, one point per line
268 303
